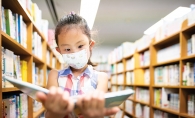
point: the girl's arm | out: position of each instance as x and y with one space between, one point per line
102 82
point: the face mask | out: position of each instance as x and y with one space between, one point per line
76 60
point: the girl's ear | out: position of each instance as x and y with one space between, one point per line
58 49
92 43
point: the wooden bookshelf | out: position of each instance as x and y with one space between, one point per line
26 53
180 38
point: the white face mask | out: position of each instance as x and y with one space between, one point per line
76 60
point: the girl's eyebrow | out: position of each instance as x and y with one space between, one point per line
69 45
79 41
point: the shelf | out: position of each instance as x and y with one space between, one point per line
167 62
126 112
144 49
145 67
168 39
165 86
187 115
37 59
38 113
167 110
188 87
131 99
190 57
12 44
119 73
129 85
139 85
144 103
129 70
48 66
10 89
190 28
128 57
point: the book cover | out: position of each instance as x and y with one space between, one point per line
111 99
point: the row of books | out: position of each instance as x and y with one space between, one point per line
37 75
171 26
36 105
166 98
129 106
168 53
130 64
162 114
143 95
37 45
191 104
142 111
167 75
36 15
191 45
103 67
15 106
188 74
13 24
145 58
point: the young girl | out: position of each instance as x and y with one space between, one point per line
73 38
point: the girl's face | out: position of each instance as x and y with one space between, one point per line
73 40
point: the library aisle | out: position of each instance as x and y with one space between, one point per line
161 70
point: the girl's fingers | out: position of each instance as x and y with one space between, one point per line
101 101
94 100
41 96
86 101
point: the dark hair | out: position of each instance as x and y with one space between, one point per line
73 20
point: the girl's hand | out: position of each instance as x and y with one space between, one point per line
92 105
57 103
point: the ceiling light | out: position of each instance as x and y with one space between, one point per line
88 10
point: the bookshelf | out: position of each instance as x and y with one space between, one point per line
26 53
135 79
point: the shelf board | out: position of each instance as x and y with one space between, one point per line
168 39
167 62
131 99
167 110
48 66
10 89
189 57
129 85
37 60
13 45
129 56
144 103
190 28
126 112
188 87
38 113
119 73
129 70
144 49
142 85
165 86
144 67
187 115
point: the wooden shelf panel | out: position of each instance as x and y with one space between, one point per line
188 87
190 28
139 85
11 44
37 59
10 89
167 110
167 62
126 112
144 49
145 67
128 57
187 115
165 86
144 103
190 57
49 67
38 113
172 38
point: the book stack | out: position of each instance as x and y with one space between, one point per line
145 58
13 25
191 104
191 45
142 95
142 111
188 74
161 114
15 106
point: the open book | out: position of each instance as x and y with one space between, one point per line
111 99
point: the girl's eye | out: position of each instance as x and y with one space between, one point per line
80 46
67 50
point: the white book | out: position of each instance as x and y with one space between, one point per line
111 99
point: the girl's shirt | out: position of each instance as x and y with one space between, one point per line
82 84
